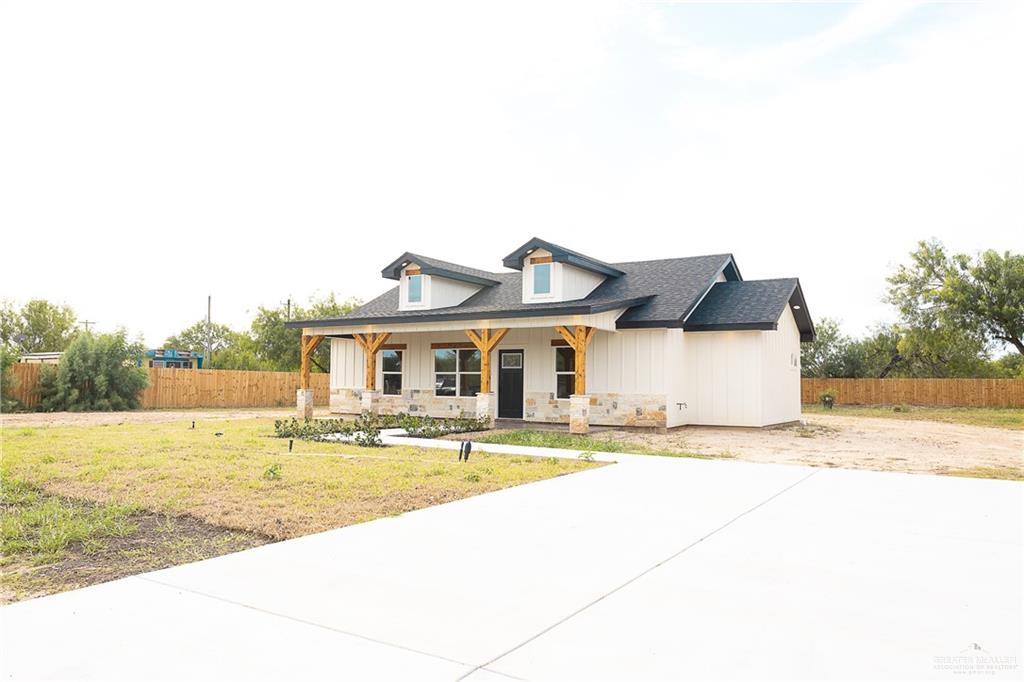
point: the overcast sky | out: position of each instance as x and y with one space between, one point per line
154 153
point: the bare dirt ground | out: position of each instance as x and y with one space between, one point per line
852 443
35 419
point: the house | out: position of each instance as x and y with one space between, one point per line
566 338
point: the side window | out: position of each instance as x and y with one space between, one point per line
391 367
415 288
542 278
565 371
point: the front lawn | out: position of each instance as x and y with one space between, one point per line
999 417
99 485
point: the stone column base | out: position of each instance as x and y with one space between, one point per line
486 407
370 402
579 414
304 403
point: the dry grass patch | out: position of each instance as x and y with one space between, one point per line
247 480
997 417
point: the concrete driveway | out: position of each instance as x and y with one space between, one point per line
646 569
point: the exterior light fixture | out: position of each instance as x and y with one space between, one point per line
796 307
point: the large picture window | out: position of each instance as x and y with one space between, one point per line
456 372
391 368
565 372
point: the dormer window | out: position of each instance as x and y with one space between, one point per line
541 279
415 289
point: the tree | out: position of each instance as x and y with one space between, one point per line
40 326
98 372
242 353
8 382
194 339
988 294
280 347
953 303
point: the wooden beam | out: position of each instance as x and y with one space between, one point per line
560 343
451 345
485 341
540 259
578 339
371 343
308 345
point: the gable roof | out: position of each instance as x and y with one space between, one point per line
434 266
559 254
658 293
751 304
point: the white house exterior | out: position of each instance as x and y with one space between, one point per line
565 338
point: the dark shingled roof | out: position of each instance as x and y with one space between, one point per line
657 293
751 304
442 268
559 254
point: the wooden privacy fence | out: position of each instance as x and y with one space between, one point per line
181 388
937 392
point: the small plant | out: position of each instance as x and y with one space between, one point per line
367 431
587 456
901 408
310 429
827 397
473 477
272 472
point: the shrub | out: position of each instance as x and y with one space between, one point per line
8 382
367 431
827 397
272 472
310 429
98 372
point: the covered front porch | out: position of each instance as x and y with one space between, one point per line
527 369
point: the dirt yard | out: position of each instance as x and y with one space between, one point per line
853 443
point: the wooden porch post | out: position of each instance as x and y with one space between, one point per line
309 344
578 339
371 343
485 341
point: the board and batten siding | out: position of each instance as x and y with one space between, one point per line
624 362
742 378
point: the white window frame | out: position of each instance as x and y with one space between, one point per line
458 372
400 373
558 373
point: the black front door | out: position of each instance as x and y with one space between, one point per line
510 384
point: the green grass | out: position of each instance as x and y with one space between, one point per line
247 480
570 441
997 417
42 528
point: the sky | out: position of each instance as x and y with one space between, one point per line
152 154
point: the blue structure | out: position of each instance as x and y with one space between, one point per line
175 359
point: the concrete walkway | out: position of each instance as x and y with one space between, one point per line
650 568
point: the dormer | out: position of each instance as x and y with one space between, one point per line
427 283
552 273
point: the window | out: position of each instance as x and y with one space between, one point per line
456 372
542 278
415 288
511 360
391 367
565 372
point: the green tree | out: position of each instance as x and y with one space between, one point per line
987 294
950 305
8 382
242 353
98 372
832 354
40 326
280 347
194 338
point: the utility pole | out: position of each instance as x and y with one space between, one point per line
209 334
86 323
